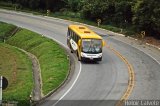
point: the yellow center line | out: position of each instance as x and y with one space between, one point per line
131 81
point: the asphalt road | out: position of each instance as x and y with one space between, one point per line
98 83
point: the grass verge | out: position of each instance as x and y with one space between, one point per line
6 30
53 59
17 68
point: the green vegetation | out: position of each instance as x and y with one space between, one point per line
6 30
53 59
17 68
76 17
132 16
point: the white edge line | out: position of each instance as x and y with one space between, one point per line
80 63
71 85
101 29
80 69
41 16
59 19
97 28
119 40
78 72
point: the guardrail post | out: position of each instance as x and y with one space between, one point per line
143 34
99 22
48 12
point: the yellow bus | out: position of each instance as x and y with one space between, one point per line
85 43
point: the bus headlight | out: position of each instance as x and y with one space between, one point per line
82 55
100 55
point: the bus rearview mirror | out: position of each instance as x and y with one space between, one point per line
103 43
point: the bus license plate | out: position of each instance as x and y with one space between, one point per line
91 58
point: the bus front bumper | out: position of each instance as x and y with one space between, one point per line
94 57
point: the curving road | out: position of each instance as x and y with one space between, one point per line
98 83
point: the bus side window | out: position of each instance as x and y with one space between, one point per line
68 32
71 35
74 37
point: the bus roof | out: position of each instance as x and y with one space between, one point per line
84 32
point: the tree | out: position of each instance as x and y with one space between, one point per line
147 17
143 14
34 4
94 9
74 5
54 5
123 13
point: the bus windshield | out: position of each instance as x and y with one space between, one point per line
92 46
